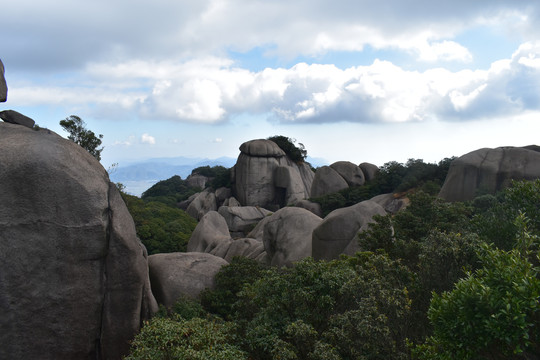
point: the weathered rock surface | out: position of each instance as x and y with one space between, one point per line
182 275
197 181
390 203
352 173
369 170
3 84
337 233
73 275
287 235
254 176
241 218
327 181
202 204
211 230
314 207
488 171
14 117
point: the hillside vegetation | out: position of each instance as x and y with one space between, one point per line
437 280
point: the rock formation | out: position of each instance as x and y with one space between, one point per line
182 275
369 170
488 171
259 182
73 276
350 172
337 233
287 235
3 84
17 118
327 181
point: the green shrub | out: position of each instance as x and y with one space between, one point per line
295 153
195 339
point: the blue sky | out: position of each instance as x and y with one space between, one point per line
351 80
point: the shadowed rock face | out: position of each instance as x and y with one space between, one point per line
3 84
488 171
73 276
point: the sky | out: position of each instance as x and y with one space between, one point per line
354 80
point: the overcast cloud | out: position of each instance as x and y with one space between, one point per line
177 60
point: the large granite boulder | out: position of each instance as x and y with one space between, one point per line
182 275
488 171
287 235
337 233
327 181
3 84
211 230
204 202
73 275
242 218
254 176
350 172
369 170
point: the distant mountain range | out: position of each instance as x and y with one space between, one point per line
137 177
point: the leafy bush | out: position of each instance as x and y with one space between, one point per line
195 339
161 228
169 191
494 313
219 176
295 153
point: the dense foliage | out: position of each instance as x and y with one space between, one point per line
170 191
435 281
161 228
295 153
79 134
393 177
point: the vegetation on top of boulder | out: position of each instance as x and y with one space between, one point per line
78 133
393 177
295 153
219 176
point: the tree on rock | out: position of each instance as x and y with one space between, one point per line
78 133
295 153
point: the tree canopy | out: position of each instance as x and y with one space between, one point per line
79 134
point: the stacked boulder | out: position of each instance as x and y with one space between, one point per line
265 176
341 175
11 116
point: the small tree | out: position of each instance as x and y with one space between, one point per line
78 133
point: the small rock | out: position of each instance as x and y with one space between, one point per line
13 117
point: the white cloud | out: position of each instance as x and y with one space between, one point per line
148 139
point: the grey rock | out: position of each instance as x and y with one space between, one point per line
337 233
3 84
289 185
246 247
182 275
390 203
209 233
352 173
314 207
202 204
74 276
14 117
197 181
231 202
240 218
488 171
370 171
253 176
222 194
327 181
287 235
